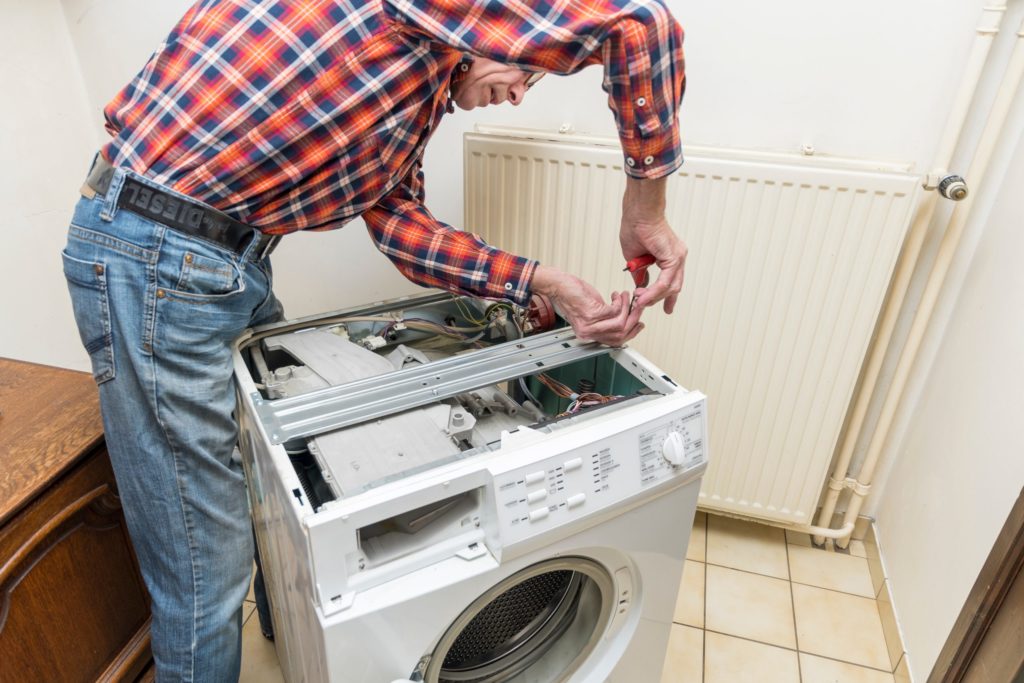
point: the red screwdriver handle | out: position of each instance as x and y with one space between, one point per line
638 269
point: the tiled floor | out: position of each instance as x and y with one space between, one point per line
259 658
758 604
755 604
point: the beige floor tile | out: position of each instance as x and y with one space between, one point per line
698 538
798 538
749 606
734 660
835 571
840 626
259 658
745 545
817 670
858 549
248 609
690 602
684 661
902 673
889 626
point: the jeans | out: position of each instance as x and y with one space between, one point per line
158 311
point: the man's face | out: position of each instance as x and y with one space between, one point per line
489 82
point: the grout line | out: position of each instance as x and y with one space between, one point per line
796 634
799 652
799 583
704 633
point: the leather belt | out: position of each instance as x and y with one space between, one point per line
181 214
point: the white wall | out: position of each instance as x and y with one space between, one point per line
955 463
45 147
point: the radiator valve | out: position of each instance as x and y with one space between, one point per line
953 187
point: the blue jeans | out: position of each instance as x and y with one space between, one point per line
157 311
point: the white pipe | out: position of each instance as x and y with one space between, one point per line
988 27
947 250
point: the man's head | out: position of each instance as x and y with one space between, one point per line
488 82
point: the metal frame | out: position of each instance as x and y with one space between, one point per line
372 397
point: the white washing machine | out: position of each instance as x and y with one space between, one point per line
445 492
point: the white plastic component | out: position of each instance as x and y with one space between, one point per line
535 477
673 450
576 500
537 496
539 514
573 464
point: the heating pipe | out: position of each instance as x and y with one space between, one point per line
988 28
947 250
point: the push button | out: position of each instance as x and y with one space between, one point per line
573 464
535 477
576 500
537 496
538 515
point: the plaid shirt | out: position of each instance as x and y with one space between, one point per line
302 114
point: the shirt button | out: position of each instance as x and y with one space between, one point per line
648 160
508 286
630 162
464 67
641 101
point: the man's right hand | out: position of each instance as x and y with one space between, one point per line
583 307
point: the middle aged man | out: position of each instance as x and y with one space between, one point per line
257 118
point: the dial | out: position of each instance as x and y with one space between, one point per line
673 449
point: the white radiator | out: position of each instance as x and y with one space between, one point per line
789 262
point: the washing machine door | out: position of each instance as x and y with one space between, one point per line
539 624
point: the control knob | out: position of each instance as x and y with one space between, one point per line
673 449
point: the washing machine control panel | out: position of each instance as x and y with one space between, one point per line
599 472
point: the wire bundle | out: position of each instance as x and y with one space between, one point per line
577 401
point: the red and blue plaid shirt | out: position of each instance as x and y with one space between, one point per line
302 114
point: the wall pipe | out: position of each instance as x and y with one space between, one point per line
947 250
988 27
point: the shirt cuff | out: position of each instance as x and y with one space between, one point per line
509 277
653 156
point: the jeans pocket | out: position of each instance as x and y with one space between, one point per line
206 276
87 284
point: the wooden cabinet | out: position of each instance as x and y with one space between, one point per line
72 602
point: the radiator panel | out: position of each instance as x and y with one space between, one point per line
789 263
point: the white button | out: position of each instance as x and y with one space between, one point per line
576 501
538 515
464 67
630 162
508 286
537 495
641 101
648 161
534 477
573 464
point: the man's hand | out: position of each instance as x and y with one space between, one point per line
644 230
591 318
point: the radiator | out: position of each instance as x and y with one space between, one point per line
790 258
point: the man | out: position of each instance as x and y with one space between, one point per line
257 118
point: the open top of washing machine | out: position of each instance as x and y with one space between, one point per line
423 451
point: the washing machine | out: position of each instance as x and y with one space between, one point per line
446 489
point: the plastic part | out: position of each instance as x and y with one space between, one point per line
540 313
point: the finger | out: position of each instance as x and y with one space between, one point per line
666 285
636 329
670 303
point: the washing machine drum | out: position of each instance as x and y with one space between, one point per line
538 624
